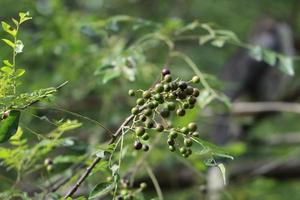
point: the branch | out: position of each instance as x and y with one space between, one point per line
242 108
97 159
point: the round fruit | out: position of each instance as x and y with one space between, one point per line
145 137
192 100
135 111
159 98
195 79
143 118
192 126
172 148
167 87
149 123
181 94
159 127
165 71
131 93
171 106
184 130
139 131
182 85
143 185
146 94
138 145
48 161
165 113
185 105
189 90
174 85
159 88
196 92
168 78
171 96
140 101
182 150
173 134
195 134
188 142
171 142
180 112
148 112
189 151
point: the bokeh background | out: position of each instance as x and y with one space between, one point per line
60 45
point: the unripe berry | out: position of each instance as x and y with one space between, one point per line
146 94
172 148
171 106
165 113
195 79
192 126
189 90
159 88
185 105
196 92
180 112
167 87
143 185
182 150
48 161
139 131
173 134
145 137
182 85
143 118
192 100
148 112
135 111
159 127
184 130
131 93
188 142
165 71
171 142
174 85
140 101
138 145
181 94
149 123
168 78
159 98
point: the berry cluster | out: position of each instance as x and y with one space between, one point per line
127 193
156 105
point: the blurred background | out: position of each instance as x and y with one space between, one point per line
66 41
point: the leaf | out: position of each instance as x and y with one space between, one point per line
256 53
223 171
218 42
110 75
101 190
24 17
101 154
9 43
20 72
9 29
6 62
9 126
286 65
7 70
269 57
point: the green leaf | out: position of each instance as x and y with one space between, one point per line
9 126
24 17
101 190
286 65
110 75
6 62
269 57
256 53
9 29
7 70
9 43
218 42
20 72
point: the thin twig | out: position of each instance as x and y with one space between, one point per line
97 159
154 181
258 107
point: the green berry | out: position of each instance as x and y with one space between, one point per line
143 185
188 142
149 123
192 126
140 101
139 131
172 148
135 111
171 106
182 85
182 150
167 87
165 113
147 95
159 88
185 105
180 112
148 112
174 85
159 98
184 130
191 106
195 79
131 93
171 96
192 100
145 137
189 151
173 134
189 90
168 78
143 118
181 94
196 92
159 127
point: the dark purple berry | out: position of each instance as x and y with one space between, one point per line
146 147
182 85
138 145
180 112
165 71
